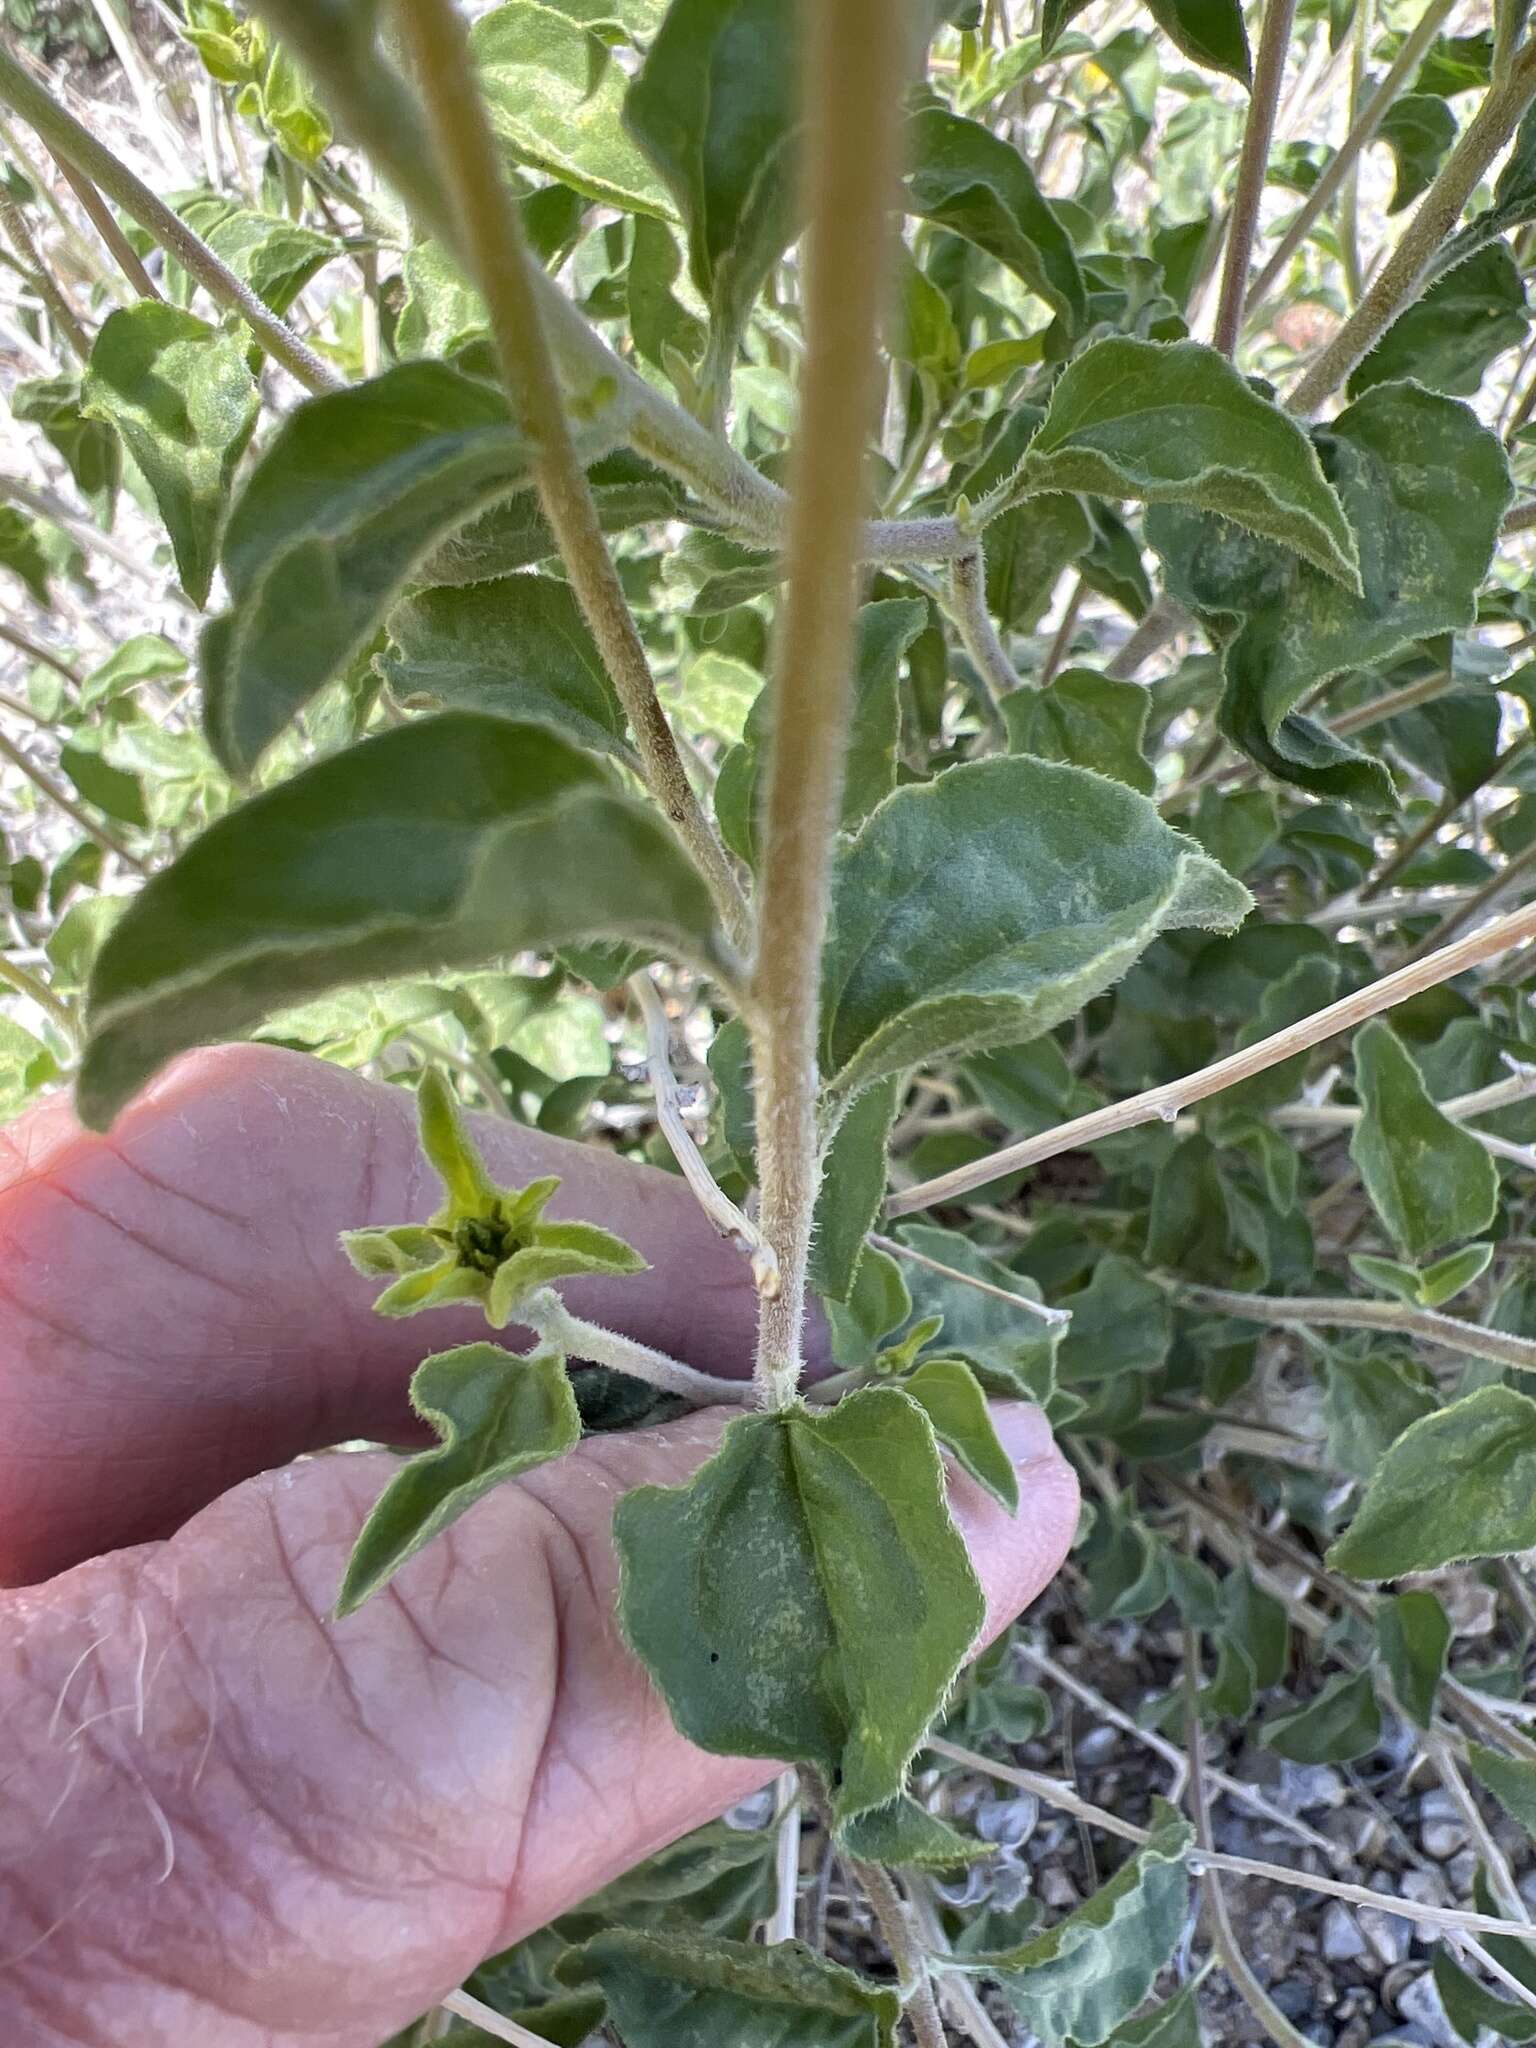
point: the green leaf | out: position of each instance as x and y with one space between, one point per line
22 552
275 256
1432 1287
182 396
1175 424
90 447
906 1834
1175 2024
110 789
1367 1405
1088 719
556 101
852 1191
695 1991
1121 1323
1415 1637
440 844
1447 339
950 1395
1082 1978
1425 487
442 312
1210 32
972 182
662 327
1471 2009
885 631
144 657
357 486
1511 1780
1043 884
517 645
1341 1724
1419 129
806 1595
1429 1179
713 108
1013 1352
498 1414
1458 1484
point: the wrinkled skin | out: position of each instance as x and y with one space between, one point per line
225 1819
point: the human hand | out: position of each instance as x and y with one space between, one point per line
224 1818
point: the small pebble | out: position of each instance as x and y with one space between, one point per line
1096 1747
1442 1831
1341 1939
1419 2003
1387 1935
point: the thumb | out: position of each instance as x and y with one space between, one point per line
229 1819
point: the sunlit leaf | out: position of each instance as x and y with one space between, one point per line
441 844
182 396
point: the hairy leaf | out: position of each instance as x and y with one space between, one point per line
182 396
1447 339
357 486
1089 1973
806 1595
971 181
885 632
1415 1637
497 1414
905 1833
950 1395
1341 1724
1425 487
1012 1351
1042 884
1419 129
713 108
517 645
852 1190
1429 1179
695 1991
1211 32
557 102
1459 1483
1087 718
440 844
1511 1780
1174 423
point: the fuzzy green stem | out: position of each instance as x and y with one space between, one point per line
854 72
1403 274
547 1315
491 236
996 676
1242 225
67 138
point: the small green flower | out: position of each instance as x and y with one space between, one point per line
487 1243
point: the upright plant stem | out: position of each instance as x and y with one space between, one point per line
1349 197
1404 67
68 139
1268 74
491 237
1403 274
854 73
